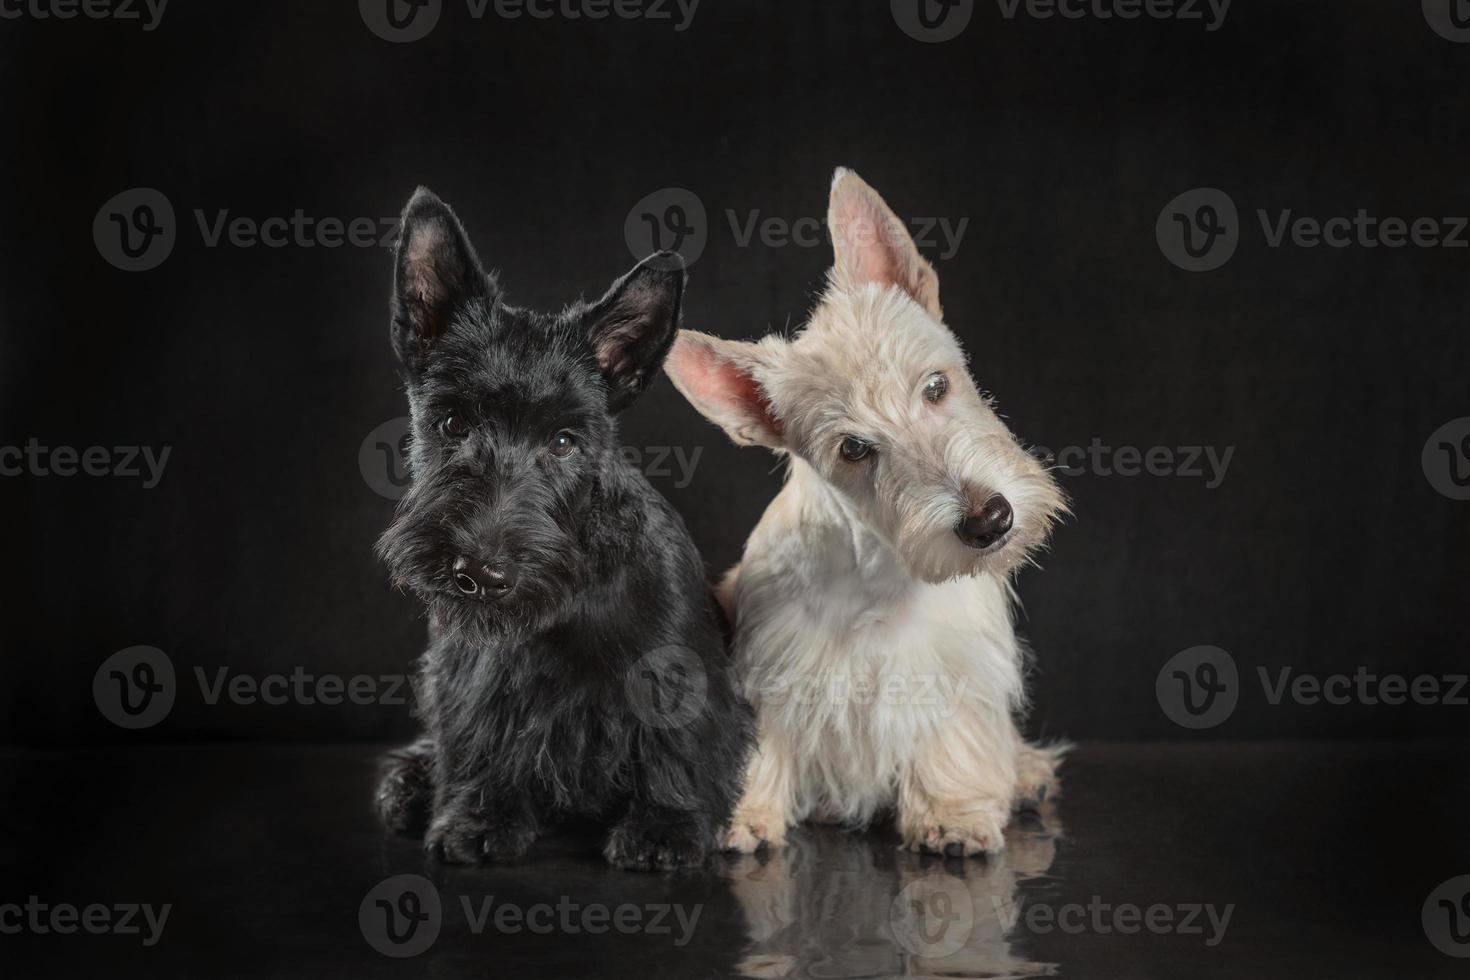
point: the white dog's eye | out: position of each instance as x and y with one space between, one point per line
855 450
936 388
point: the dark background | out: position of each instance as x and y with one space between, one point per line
1325 547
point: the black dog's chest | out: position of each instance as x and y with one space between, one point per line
541 718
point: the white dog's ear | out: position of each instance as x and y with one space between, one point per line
725 380
872 245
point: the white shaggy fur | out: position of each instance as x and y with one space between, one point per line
877 647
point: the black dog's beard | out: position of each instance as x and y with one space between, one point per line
446 514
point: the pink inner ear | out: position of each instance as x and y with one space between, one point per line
867 254
715 384
420 260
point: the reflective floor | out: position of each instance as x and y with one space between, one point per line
1181 861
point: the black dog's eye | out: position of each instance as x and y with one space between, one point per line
855 450
454 426
563 444
936 388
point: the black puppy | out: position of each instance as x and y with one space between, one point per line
576 662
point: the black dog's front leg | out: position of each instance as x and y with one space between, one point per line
406 788
480 822
658 838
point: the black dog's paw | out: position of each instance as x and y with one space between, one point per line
405 791
656 842
472 838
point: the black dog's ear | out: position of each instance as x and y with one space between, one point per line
436 272
632 327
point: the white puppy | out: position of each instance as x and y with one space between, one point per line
873 605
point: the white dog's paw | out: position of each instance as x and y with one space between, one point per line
750 830
974 832
1036 775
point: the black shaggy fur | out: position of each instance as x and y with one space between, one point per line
557 696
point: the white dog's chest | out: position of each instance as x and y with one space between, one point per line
858 680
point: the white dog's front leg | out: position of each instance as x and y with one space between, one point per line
765 809
956 796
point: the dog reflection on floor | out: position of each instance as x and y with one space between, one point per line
836 904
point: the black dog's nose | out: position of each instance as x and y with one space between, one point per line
479 578
987 525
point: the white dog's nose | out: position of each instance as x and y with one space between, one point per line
987 525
